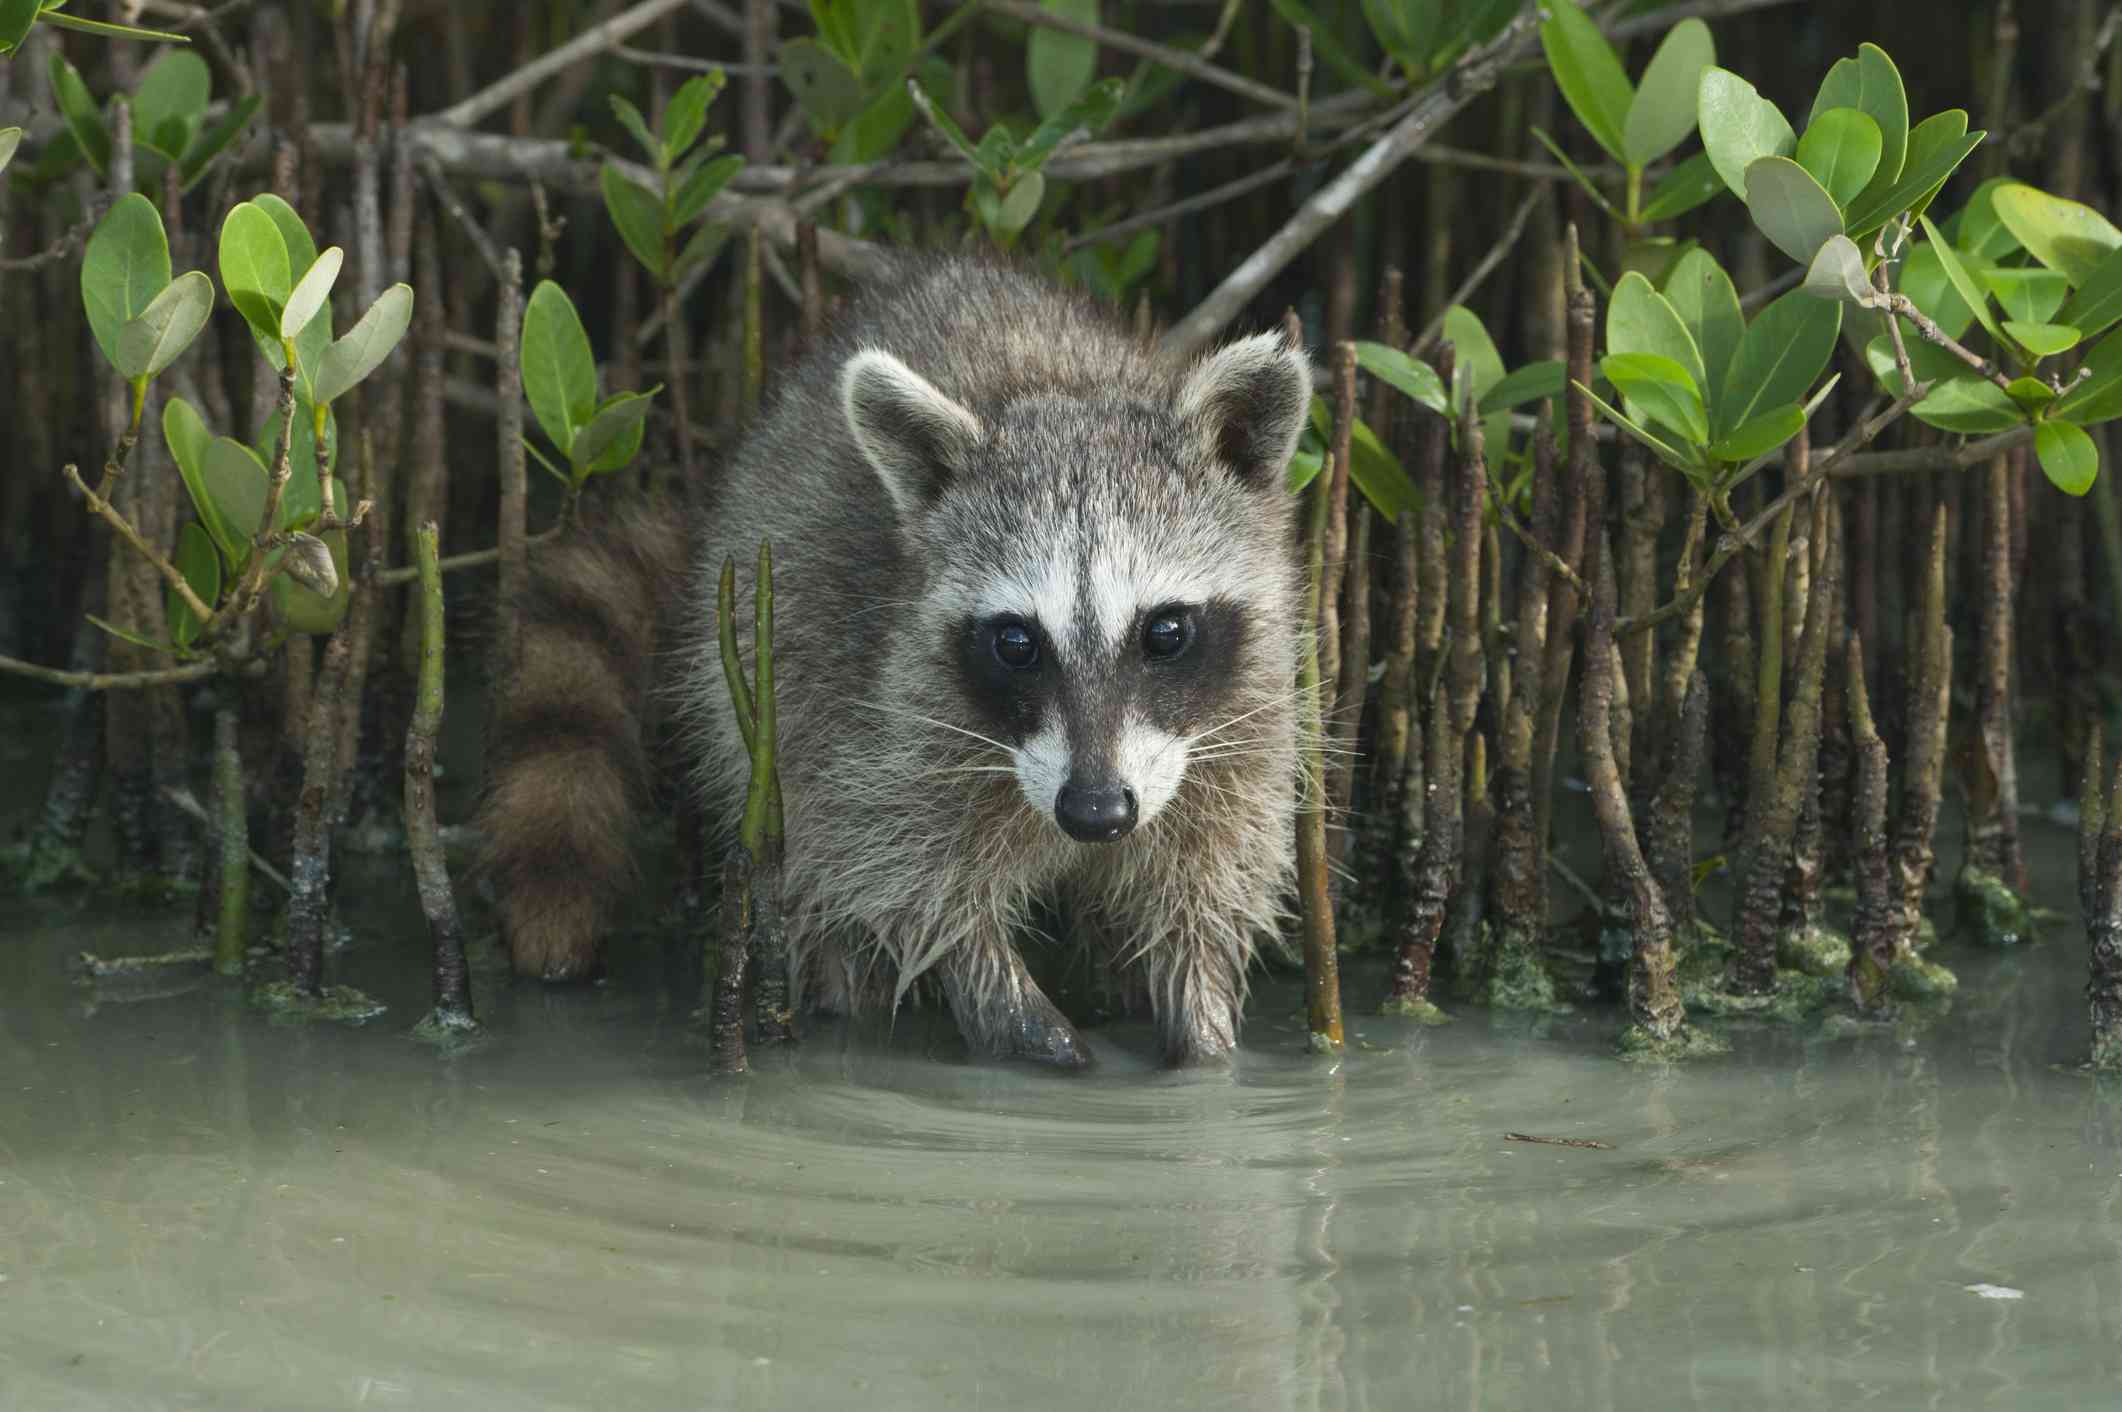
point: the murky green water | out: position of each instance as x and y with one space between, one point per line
198 1208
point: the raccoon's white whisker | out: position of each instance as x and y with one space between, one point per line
916 716
1268 705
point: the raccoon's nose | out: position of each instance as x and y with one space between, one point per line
1095 813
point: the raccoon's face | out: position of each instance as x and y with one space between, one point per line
1109 585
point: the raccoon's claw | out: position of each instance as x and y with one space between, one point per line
1047 1038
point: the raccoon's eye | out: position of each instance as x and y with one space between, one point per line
1015 647
1167 633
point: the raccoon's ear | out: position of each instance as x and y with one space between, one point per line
1248 402
915 437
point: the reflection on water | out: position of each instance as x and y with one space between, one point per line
198 1208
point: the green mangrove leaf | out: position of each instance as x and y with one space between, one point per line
2067 455
823 86
1931 289
1977 231
1519 386
254 267
2067 236
216 139
1378 474
1680 190
1872 85
1702 295
166 327
1780 356
294 234
78 110
1641 320
2030 393
1059 66
638 213
1479 367
10 139
2028 295
1968 404
2097 303
125 266
610 423
1963 283
1090 112
1662 113
350 359
948 126
1841 150
1790 208
1937 145
1660 390
1590 76
200 563
1410 376
126 635
1761 435
636 126
559 369
2042 340
234 480
2097 395
703 186
685 116
16 17
1670 455
1739 126
311 292
174 89
1838 273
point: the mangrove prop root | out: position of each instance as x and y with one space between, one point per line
1912 853
1798 756
732 958
1990 887
1871 956
1322 967
453 990
231 833
1669 831
2100 894
1451 719
1517 900
1658 1018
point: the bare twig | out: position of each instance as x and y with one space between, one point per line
1497 254
117 521
1178 60
109 681
591 42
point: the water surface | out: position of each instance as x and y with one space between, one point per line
199 1208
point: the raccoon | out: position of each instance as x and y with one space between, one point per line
1037 619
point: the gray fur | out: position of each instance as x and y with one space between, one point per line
972 440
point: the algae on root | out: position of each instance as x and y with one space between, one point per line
1638 1045
1915 978
1991 910
1794 997
1519 979
1816 950
341 1003
1415 1008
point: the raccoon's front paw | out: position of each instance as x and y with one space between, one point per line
554 954
1040 1035
1203 1038
1043 1035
